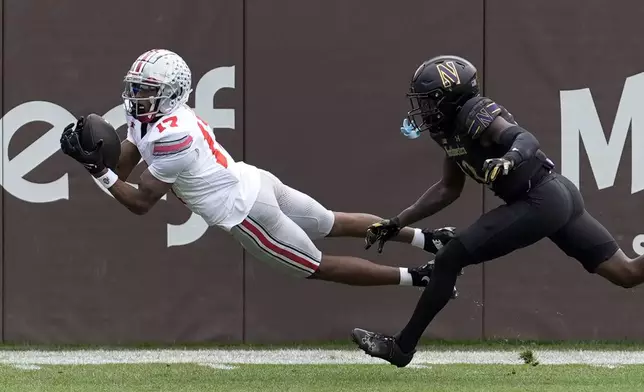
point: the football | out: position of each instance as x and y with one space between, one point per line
96 128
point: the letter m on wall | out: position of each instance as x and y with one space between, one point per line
579 118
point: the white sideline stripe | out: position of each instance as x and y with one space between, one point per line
26 367
220 366
229 357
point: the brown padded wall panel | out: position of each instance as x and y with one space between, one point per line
534 51
82 269
325 98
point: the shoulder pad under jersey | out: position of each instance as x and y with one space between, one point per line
476 115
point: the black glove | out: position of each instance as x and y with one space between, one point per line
70 145
383 231
494 167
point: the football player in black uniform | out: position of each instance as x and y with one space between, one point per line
482 140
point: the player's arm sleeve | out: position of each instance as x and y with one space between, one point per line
171 157
521 144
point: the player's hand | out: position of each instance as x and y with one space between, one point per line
494 167
382 231
70 145
70 130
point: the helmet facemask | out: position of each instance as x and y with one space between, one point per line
425 113
145 100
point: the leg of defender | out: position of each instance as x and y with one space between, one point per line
545 210
588 241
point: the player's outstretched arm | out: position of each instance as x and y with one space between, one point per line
140 200
170 159
151 188
438 196
155 181
521 146
129 158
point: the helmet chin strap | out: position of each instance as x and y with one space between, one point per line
147 118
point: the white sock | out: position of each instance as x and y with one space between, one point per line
419 239
405 277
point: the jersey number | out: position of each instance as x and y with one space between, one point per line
172 123
221 159
172 120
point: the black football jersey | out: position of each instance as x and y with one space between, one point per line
464 147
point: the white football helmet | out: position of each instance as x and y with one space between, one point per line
164 80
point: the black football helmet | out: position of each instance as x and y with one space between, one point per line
440 86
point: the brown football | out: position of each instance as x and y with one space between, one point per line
96 128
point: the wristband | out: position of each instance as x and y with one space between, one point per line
108 179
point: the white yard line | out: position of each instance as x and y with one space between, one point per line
213 357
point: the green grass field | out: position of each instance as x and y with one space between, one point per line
426 344
462 366
314 378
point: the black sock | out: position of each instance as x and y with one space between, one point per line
434 298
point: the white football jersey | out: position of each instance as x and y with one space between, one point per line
181 149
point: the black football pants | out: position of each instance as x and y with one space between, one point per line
554 208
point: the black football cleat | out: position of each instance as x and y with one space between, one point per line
421 275
381 346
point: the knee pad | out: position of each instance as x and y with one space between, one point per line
325 223
453 256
